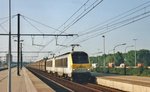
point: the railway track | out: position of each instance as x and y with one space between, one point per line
5 68
1 69
64 85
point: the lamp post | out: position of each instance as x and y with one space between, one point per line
19 53
128 47
135 50
115 48
104 61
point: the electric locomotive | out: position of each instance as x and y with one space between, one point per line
73 65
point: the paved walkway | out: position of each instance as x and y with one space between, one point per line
22 83
17 83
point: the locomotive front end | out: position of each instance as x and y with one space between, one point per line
80 67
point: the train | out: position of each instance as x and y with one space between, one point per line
74 66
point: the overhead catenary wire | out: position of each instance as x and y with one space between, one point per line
73 14
56 29
1 24
108 28
41 34
134 20
117 18
3 28
104 28
3 18
32 25
25 17
80 16
114 19
114 22
93 36
5 21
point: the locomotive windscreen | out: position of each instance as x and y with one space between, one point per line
79 57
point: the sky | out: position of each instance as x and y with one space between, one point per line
120 21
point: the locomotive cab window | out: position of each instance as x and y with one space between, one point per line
79 57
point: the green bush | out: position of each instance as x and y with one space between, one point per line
129 71
146 72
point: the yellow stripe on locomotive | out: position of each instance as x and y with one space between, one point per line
77 66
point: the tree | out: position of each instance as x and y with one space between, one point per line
118 58
143 56
109 59
130 58
93 60
97 59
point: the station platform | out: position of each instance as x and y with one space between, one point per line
125 83
26 82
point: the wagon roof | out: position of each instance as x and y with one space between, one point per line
67 53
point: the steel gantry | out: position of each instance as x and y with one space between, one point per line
18 40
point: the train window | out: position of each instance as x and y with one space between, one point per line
49 64
57 63
79 58
61 62
65 62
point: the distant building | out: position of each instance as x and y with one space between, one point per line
7 56
111 65
122 65
140 65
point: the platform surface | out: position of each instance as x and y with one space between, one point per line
126 83
26 82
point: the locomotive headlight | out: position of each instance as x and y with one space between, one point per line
88 69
